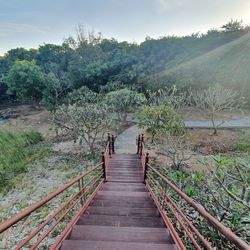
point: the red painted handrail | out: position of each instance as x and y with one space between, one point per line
5 225
172 206
68 205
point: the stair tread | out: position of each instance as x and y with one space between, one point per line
114 194
122 211
136 199
120 221
122 215
109 245
121 234
122 203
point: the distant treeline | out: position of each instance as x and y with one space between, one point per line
48 73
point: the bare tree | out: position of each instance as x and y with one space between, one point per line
214 100
85 122
177 150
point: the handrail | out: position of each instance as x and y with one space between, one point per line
218 225
69 205
10 222
172 206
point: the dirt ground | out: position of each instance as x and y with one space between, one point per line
29 117
201 145
25 117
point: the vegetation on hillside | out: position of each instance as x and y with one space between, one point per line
226 65
17 149
47 74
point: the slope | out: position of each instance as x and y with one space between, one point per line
228 65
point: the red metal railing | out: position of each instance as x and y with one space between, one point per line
79 193
167 206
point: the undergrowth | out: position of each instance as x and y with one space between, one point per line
17 149
243 144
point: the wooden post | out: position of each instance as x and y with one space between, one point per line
146 167
142 141
113 144
110 146
103 166
138 144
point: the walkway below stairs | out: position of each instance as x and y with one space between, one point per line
122 214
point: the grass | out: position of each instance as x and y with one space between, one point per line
243 143
17 150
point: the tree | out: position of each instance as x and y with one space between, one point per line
85 122
233 25
227 194
214 100
167 96
53 91
159 120
83 96
25 80
124 101
177 150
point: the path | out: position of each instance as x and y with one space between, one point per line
122 215
232 123
125 143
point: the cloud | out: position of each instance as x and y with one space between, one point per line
8 29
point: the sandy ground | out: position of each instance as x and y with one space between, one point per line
30 117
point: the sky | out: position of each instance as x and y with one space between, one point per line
30 23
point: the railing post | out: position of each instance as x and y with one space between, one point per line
104 166
142 141
113 144
146 167
80 189
138 144
110 145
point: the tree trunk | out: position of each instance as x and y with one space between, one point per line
214 125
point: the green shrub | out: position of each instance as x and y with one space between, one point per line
243 143
17 149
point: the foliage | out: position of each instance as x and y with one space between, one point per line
86 122
53 91
25 80
167 96
16 152
124 101
233 25
89 59
243 142
83 96
214 100
160 120
222 188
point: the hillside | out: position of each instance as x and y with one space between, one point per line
227 65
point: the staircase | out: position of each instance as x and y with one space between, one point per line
122 214
122 203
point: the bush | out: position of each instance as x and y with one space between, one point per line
160 120
15 153
223 190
